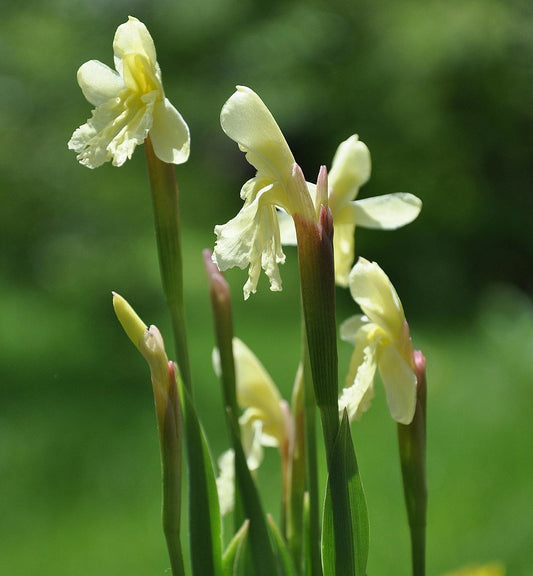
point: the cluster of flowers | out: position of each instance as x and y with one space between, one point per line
131 107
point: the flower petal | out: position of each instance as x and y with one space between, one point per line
226 481
247 121
170 134
349 329
343 249
350 169
373 291
133 37
113 132
286 228
257 391
386 212
98 82
252 239
251 438
400 384
357 396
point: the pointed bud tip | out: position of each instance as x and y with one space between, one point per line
322 187
129 319
218 285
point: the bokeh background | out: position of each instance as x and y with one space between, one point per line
441 92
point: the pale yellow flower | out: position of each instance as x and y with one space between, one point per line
252 238
381 341
130 105
350 169
264 421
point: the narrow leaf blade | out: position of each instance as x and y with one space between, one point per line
285 564
205 528
233 560
344 467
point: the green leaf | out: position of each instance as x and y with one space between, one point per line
345 549
205 528
233 561
263 558
285 564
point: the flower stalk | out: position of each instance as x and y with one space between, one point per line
311 452
412 446
315 256
165 200
317 280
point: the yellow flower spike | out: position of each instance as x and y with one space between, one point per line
130 104
252 239
381 341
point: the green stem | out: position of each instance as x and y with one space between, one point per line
165 199
220 296
169 426
412 445
315 256
315 568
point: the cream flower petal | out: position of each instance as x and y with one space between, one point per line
400 384
251 439
98 82
133 37
286 228
170 134
356 397
386 212
252 239
247 121
114 130
343 249
226 482
256 391
349 329
350 169
373 291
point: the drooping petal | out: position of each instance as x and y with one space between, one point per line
343 249
350 169
98 82
400 384
247 121
113 132
133 37
373 291
252 239
257 391
386 212
357 395
170 134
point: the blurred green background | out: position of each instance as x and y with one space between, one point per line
441 92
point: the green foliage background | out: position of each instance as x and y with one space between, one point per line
441 92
